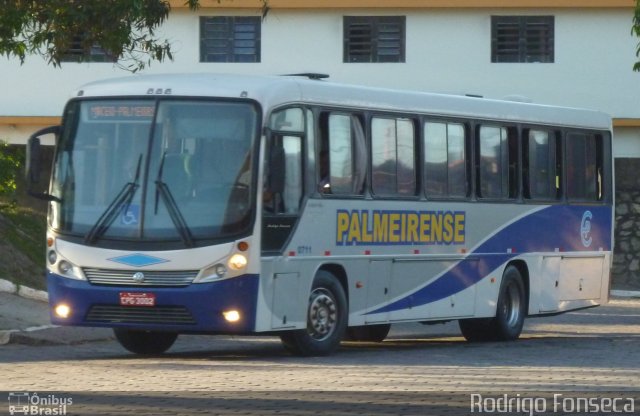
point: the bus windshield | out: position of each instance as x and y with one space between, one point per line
155 170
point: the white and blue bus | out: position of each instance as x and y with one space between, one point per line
316 211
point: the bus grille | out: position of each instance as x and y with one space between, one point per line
151 278
170 315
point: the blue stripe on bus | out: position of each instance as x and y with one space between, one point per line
555 227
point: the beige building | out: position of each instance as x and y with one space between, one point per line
563 52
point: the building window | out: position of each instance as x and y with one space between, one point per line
79 52
229 39
522 39
374 38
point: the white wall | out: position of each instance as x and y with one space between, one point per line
626 142
447 51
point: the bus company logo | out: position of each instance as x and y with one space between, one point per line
362 227
25 403
138 277
585 228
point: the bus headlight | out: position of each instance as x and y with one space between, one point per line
237 262
217 271
224 268
67 269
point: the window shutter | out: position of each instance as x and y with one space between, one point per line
246 38
505 40
539 39
214 39
229 39
358 40
79 52
374 39
522 38
390 40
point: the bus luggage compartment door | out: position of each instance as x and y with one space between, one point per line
580 278
285 300
378 289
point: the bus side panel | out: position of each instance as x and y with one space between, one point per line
403 275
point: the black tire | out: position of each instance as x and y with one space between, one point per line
368 333
326 319
510 312
145 342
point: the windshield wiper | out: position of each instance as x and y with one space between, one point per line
123 199
177 218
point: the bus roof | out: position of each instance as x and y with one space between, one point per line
275 91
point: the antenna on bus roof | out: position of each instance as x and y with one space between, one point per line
310 75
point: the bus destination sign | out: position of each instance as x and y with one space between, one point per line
120 112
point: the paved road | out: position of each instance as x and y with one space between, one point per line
593 351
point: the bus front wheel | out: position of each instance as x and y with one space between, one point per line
510 312
145 342
326 319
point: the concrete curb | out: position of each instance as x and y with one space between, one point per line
625 293
8 287
23 291
21 336
47 334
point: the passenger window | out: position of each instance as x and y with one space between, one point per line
498 162
292 194
289 119
541 171
584 167
342 156
445 167
393 156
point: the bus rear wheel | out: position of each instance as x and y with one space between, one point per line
510 312
326 319
145 342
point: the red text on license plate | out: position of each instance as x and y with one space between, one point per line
137 299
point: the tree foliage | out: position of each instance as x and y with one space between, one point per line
10 162
635 30
125 29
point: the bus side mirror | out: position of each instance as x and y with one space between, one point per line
33 162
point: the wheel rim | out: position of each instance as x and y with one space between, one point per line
323 314
512 305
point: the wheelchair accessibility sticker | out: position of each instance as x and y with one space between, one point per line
130 215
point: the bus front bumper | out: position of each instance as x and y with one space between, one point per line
201 307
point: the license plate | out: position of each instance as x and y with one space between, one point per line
137 299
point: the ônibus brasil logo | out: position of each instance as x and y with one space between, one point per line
25 403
